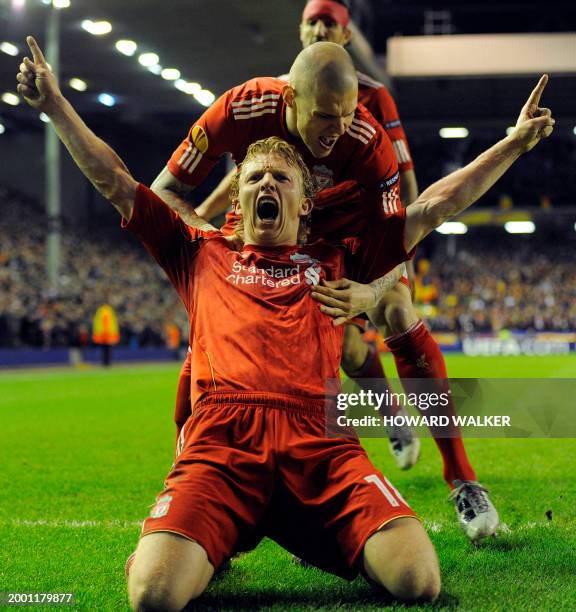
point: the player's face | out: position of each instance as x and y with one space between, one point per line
323 28
271 201
322 119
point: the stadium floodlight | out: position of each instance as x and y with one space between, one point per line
126 47
2 128
106 99
18 5
60 4
452 227
96 28
453 132
520 227
10 98
187 87
148 59
44 118
205 97
156 69
8 48
574 130
171 74
78 84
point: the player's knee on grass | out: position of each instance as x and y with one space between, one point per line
401 559
168 571
395 312
354 349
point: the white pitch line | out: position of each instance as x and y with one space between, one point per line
71 524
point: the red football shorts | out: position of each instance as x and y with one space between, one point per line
255 465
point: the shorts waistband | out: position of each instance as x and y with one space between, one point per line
267 400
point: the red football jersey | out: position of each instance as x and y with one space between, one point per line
254 110
251 311
378 100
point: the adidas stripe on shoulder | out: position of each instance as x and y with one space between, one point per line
190 158
401 150
361 130
256 106
364 79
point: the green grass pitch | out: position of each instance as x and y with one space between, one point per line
84 452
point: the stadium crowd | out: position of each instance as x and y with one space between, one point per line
527 288
94 270
481 290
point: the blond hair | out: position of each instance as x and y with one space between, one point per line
289 153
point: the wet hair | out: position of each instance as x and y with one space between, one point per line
289 153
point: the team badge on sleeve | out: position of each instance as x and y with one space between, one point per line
200 139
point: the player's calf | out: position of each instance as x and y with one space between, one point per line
354 350
168 571
401 559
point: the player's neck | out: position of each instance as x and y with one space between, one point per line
291 124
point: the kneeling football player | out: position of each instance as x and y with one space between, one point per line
257 456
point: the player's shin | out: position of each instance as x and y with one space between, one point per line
418 356
369 375
421 366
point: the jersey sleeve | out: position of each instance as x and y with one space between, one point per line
385 111
167 238
212 135
375 168
378 250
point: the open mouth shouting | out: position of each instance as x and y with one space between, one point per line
267 209
327 142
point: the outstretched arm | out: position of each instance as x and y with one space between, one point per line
99 163
457 191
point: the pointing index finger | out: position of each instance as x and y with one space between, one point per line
537 91
36 51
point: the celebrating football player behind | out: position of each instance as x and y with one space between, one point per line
255 458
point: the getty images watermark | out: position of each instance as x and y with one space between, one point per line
389 401
473 407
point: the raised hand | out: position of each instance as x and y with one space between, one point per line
534 123
36 82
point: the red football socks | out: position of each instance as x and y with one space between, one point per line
418 356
